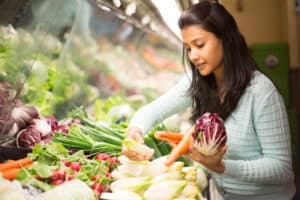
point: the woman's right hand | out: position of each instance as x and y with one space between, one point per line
134 133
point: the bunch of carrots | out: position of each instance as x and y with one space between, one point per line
170 137
181 143
10 168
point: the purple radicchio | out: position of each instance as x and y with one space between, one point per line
28 137
209 134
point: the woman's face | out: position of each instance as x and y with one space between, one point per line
204 50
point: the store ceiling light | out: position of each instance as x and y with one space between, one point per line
145 20
153 26
170 14
123 17
130 9
104 7
117 3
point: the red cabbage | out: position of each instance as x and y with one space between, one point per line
52 121
28 137
209 134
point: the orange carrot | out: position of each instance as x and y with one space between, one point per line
11 173
180 149
15 164
168 136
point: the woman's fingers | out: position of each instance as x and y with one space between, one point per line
191 144
221 153
195 155
134 155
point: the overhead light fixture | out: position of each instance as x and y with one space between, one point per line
145 20
170 13
153 26
104 7
130 9
123 17
117 3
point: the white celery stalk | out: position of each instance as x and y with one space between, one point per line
165 190
136 184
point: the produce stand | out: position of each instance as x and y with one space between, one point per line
72 74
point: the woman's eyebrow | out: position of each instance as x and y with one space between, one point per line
194 40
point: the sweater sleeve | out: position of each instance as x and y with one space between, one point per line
272 129
173 101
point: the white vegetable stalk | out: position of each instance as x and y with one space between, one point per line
136 184
166 190
128 170
42 126
175 175
71 190
124 195
156 167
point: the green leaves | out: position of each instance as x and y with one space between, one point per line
43 170
50 153
53 163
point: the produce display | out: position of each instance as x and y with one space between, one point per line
66 100
90 154
154 181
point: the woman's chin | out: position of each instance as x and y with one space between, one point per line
204 72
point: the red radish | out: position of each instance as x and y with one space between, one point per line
68 177
75 166
113 162
98 188
58 182
66 163
108 175
102 156
58 175
96 177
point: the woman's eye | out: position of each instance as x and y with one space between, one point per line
188 49
200 45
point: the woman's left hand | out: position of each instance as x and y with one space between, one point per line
213 163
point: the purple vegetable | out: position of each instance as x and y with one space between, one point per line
41 125
64 128
28 137
22 115
46 139
209 134
52 121
19 119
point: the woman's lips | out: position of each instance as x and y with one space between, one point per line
200 66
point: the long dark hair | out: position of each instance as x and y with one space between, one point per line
238 62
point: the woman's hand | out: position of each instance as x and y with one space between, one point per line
213 163
135 134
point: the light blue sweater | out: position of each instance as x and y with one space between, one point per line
258 161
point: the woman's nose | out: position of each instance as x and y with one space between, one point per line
194 54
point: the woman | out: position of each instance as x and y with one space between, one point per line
256 162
